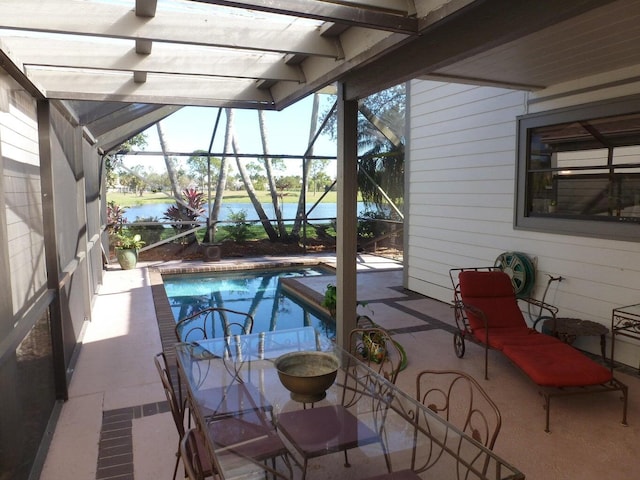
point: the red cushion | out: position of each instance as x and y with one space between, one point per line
499 337
319 430
557 365
492 293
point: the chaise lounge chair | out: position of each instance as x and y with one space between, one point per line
487 312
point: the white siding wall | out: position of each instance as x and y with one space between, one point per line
460 194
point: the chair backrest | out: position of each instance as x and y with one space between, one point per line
462 401
177 410
213 322
190 454
375 347
492 293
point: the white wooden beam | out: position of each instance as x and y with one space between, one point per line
165 58
118 21
146 8
73 84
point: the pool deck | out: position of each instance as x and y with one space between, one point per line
115 424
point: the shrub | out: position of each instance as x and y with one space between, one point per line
149 233
181 213
115 217
370 226
239 230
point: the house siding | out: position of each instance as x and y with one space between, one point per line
460 193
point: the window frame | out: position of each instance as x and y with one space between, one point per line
615 230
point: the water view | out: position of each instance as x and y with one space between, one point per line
256 292
322 210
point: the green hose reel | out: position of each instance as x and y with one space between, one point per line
521 271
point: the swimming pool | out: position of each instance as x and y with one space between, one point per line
257 292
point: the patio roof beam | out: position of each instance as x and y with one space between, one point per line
206 29
146 8
348 13
472 30
166 58
12 67
159 89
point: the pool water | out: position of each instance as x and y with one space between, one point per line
257 292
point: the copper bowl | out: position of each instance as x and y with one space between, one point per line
307 375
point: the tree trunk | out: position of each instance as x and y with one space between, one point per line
270 179
300 213
171 172
221 185
251 191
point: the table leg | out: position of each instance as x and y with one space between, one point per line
603 346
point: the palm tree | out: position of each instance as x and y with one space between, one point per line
381 145
268 167
221 185
248 185
307 164
173 178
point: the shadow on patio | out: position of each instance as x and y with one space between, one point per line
116 425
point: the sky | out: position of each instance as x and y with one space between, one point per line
191 128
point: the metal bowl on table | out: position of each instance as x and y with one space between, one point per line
307 374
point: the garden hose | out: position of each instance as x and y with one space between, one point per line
520 270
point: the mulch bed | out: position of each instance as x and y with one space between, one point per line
249 248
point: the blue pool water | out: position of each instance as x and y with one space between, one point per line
255 291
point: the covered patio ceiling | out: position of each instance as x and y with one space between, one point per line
121 65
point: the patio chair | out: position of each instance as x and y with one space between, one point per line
178 410
248 433
461 400
375 347
231 393
487 311
202 324
319 431
190 451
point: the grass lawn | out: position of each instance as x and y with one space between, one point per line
130 199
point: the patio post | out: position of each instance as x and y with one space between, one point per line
346 246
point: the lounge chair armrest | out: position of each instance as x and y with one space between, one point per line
551 310
461 307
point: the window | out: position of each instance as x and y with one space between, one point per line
579 171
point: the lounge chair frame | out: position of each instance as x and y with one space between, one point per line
465 332
462 321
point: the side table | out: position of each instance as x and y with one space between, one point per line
567 329
625 321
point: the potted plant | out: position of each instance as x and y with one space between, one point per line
372 345
330 301
127 246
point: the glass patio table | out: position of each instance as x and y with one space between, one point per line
236 378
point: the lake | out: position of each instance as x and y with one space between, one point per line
323 210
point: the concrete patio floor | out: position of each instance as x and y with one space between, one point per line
115 424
